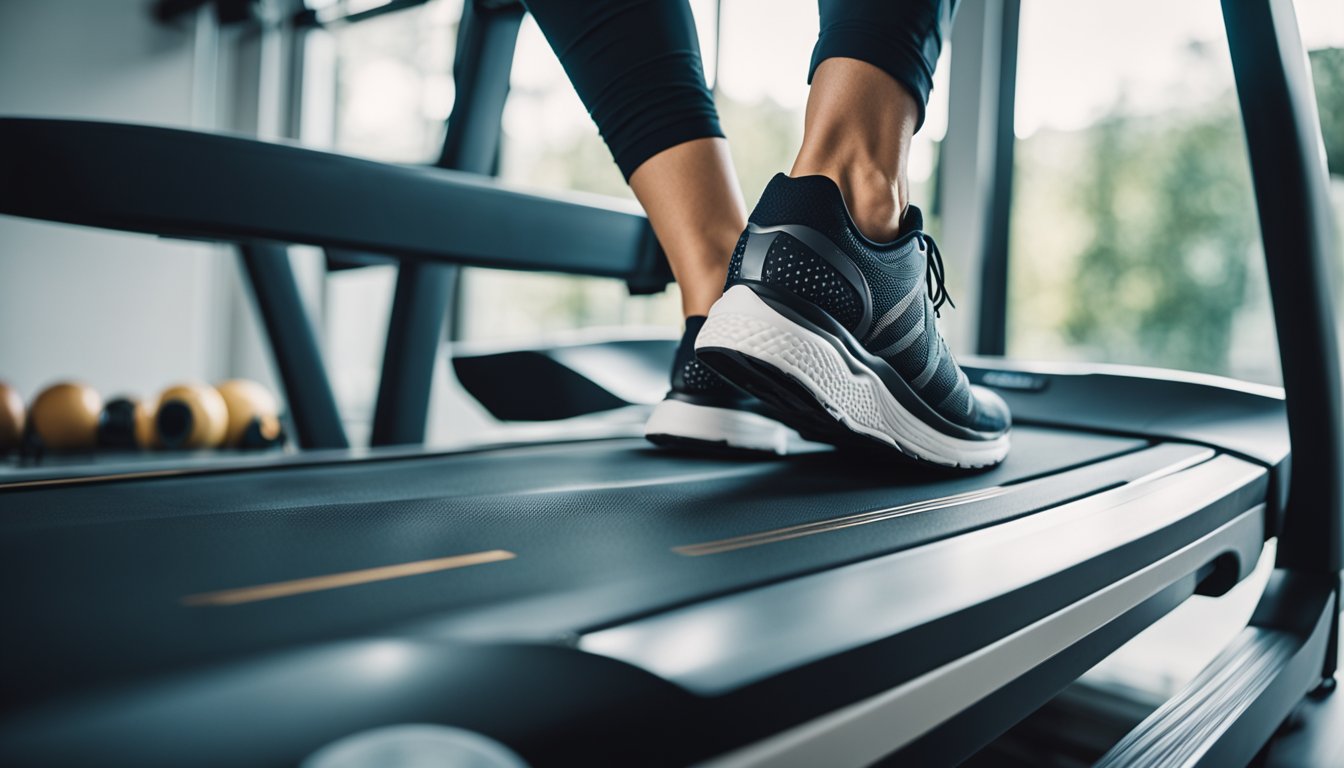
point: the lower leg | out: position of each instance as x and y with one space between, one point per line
637 68
695 206
857 132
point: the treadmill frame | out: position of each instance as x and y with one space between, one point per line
425 294
1288 165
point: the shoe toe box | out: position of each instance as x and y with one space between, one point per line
990 413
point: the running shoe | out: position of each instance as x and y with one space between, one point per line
702 411
837 333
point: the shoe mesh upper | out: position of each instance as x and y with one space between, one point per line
791 265
891 271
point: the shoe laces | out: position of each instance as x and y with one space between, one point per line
935 276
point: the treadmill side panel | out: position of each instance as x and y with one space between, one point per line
868 730
1247 420
1033 563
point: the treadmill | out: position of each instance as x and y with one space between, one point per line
596 601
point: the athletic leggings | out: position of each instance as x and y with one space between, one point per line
636 63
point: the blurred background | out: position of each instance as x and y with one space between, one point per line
1129 153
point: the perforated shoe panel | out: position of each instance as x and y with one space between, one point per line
794 267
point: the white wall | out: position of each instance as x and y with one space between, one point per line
125 313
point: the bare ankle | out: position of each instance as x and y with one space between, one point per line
857 132
702 271
876 201
696 210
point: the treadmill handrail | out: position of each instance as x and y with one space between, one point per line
1287 153
179 183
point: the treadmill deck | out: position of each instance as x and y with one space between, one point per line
159 569
140 580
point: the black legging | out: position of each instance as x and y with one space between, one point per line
636 63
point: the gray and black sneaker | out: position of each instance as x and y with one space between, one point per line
702 411
837 333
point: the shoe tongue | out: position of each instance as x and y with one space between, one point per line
912 221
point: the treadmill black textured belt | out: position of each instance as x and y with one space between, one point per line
172 572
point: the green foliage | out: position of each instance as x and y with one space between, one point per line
764 136
1173 232
1327 70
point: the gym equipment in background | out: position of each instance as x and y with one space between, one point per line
234 414
12 416
191 415
127 423
64 417
70 417
253 415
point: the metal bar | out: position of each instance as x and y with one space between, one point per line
1227 713
992 335
312 404
966 160
226 11
414 334
340 14
1283 136
482 63
177 183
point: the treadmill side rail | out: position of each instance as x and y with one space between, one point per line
921 597
1227 713
1244 419
1297 225
876 727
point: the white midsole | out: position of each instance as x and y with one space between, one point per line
734 428
853 393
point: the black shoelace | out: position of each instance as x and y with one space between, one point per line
934 273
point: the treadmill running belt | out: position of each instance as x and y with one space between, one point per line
519 543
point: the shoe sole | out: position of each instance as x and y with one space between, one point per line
678 424
820 389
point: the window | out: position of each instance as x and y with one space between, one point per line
394 82
1322 25
1134 233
